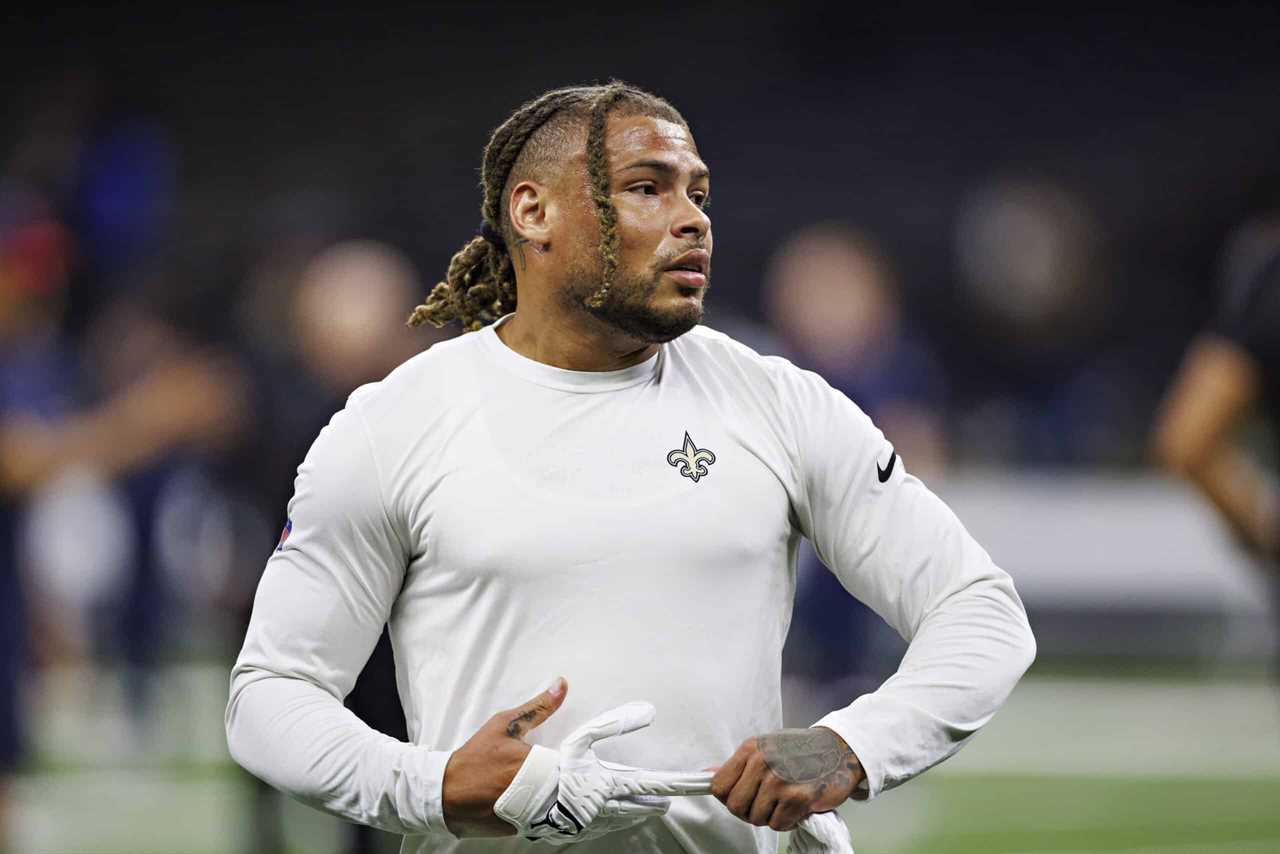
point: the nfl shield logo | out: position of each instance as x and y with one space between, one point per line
284 534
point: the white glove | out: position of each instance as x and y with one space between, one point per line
569 795
821 833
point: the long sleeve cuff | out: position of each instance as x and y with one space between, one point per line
423 783
846 724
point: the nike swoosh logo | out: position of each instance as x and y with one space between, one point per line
887 470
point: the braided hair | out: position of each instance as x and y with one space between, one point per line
480 284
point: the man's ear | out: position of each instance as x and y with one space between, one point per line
532 213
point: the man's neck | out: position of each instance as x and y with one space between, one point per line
562 342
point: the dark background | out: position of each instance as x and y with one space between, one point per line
1162 120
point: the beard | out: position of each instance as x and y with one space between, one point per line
629 306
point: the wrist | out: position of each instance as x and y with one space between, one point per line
863 733
468 793
857 776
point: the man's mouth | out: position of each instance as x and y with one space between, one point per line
688 278
691 268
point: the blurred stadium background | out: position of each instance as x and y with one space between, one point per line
998 231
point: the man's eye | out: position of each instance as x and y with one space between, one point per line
702 200
646 189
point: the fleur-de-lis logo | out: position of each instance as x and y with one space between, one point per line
691 460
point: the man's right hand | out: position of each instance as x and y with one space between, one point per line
482 769
496 784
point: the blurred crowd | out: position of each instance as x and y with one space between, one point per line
161 379
157 390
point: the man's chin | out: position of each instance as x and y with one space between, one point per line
654 324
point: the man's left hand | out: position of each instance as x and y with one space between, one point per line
779 778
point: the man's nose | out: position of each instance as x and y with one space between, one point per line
691 221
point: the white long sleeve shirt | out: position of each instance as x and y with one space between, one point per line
632 530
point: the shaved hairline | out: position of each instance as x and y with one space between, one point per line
548 150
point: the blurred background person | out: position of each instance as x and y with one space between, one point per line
1230 375
835 302
37 378
343 322
63 531
1030 265
348 325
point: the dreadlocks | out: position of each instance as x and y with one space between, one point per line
480 284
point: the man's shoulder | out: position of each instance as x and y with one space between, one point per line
772 383
426 373
706 348
417 391
712 343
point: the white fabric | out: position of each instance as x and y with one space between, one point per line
514 522
533 790
570 795
821 833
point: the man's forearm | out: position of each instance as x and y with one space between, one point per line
1194 437
302 740
961 665
1237 487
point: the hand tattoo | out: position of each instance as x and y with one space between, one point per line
816 757
515 729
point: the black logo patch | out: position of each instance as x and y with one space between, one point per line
555 819
884 473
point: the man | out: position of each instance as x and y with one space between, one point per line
188 399
592 486
1230 370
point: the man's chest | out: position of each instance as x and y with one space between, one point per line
590 486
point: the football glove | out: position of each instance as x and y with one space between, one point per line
568 795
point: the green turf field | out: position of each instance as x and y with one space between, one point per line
202 811
1070 765
991 814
